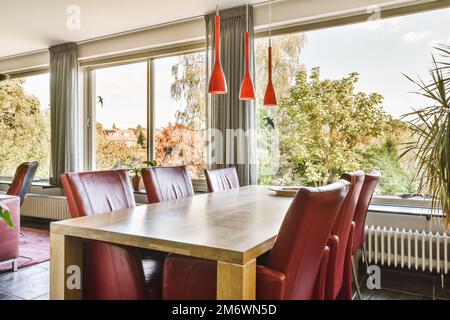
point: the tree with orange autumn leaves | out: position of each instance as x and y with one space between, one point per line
178 144
183 142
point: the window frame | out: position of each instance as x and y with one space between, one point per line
88 70
342 19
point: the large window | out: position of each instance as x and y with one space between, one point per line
25 124
126 99
342 93
121 116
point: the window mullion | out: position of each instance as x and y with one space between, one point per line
150 110
90 121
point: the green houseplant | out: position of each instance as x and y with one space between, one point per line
136 171
136 178
5 215
151 163
431 129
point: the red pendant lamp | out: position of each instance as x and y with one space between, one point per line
217 82
247 90
270 98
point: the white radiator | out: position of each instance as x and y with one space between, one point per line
45 207
407 249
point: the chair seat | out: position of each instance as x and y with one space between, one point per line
187 278
153 264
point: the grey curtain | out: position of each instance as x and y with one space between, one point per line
233 118
64 110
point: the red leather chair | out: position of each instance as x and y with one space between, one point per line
9 237
221 179
111 271
22 180
295 266
368 188
338 283
167 183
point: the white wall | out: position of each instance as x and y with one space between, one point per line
284 13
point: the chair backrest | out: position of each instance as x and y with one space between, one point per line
22 180
110 271
342 229
221 179
97 192
368 188
300 244
167 183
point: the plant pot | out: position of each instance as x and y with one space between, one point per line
136 183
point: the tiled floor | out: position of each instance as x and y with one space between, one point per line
31 283
401 285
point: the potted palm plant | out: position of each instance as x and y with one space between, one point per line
431 129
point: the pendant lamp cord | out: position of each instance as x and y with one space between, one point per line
246 15
270 23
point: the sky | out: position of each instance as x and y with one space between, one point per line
124 87
124 92
39 87
380 51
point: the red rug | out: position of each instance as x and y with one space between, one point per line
34 247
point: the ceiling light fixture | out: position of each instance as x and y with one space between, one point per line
217 82
247 90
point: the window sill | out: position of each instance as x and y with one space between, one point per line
42 183
403 210
395 201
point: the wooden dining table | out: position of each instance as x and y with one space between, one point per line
233 227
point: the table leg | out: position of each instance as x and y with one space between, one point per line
66 266
236 282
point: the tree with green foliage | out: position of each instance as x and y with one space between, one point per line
396 179
188 86
141 140
24 130
325 127
115 154
140 134
286 63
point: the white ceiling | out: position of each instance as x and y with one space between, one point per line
30 25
